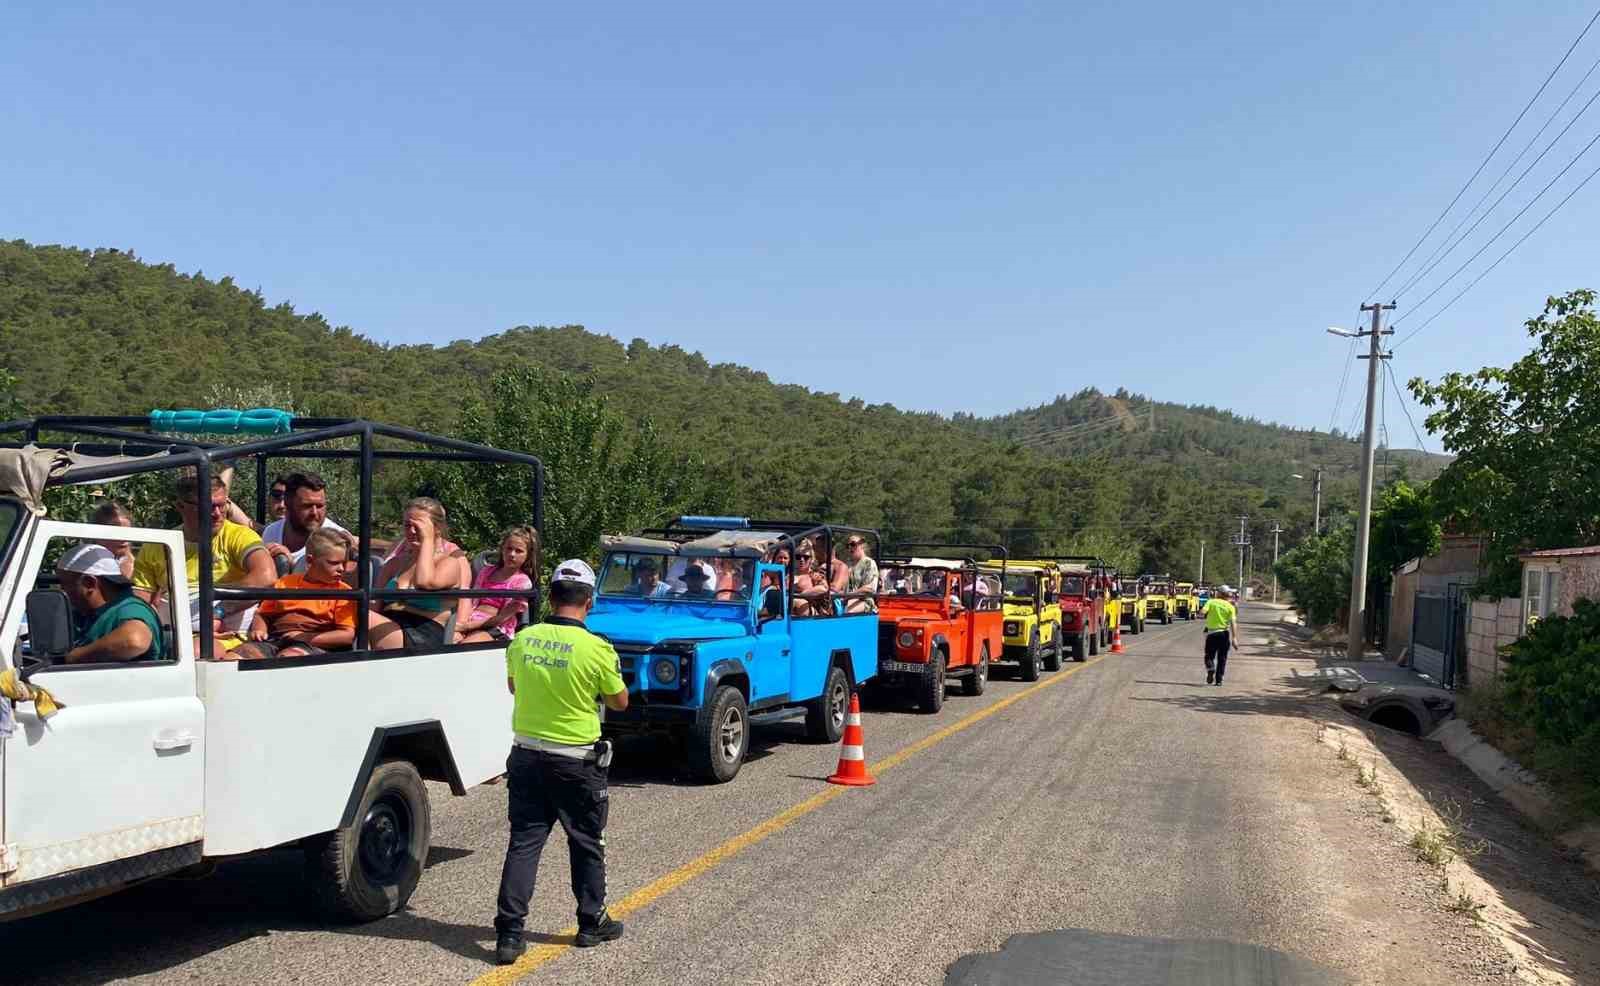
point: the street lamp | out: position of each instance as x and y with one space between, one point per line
1316 489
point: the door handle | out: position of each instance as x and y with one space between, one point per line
785 652
173 741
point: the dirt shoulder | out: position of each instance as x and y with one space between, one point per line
1510 903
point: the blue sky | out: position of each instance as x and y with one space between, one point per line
950 207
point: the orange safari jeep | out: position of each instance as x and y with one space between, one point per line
939 617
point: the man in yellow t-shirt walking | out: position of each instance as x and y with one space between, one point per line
558 670
1222 621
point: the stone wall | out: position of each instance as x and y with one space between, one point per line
1492 624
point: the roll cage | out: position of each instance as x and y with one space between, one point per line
787 534
901 556
293 437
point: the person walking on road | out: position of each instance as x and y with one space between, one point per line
557 670
1222 621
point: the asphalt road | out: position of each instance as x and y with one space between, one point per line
1160 822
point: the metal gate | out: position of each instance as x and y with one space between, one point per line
1439 633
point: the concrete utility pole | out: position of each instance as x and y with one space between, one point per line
1358 569
1316 490
1202 578
1276 530
1241 541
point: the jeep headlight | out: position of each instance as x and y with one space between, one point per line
1012 628
908 639
664 670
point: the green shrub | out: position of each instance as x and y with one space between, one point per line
1552 689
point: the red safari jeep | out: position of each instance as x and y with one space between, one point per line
1083 603
939 617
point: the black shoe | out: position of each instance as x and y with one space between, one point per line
1208 677
605 928
1217 682
508 947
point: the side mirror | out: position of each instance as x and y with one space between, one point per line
49 626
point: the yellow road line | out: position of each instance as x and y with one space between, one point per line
539 955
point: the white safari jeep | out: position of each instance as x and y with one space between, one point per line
153 767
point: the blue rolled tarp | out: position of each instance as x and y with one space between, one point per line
261 421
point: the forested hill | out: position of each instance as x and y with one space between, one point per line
103 332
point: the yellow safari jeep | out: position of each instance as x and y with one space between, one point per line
1032 624
1109 587
1161 598
1132 609
1188 601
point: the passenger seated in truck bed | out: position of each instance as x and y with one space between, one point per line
296 627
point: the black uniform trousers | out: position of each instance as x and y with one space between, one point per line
545 788
1217 652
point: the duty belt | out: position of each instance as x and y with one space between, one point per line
581 752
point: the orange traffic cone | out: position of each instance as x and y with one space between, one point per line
852 759
1116 640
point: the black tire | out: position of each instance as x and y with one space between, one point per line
721 737
1028 665
1080 648
369 868
974 683
930 688
1052 656
1094 643
825 715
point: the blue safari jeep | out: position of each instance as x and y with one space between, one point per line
720 627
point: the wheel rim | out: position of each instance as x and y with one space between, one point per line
838 700
731 735
385 839
983 671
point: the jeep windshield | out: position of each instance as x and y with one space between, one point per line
1073 585
1130 587
1022 585
672 578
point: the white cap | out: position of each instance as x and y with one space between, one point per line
92 559
574 570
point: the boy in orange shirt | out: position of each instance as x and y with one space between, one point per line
296 627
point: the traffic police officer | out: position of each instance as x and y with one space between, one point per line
557 771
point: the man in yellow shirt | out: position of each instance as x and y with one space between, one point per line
558 670
238 559
1222 621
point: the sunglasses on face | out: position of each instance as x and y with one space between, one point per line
277 494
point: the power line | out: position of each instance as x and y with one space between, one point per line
1512 221
1439 252
1485 273
1509 188
1492 152
1421 444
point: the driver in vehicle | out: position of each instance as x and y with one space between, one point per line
114 624
696 583
647 580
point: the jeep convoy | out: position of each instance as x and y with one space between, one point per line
721 624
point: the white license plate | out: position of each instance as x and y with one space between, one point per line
885 667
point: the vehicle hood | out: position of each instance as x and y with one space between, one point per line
655 625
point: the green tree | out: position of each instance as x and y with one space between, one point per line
10 404
1527 441
1316 573
603 474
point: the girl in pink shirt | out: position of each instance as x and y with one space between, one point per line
494 618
